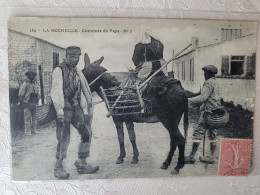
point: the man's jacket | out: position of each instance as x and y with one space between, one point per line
209 94
59 97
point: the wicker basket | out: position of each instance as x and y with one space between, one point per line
217 118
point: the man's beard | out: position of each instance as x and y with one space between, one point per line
73 64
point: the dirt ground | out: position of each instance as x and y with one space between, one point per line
34 155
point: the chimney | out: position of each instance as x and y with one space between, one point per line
194 43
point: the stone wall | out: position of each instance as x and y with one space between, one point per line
25 53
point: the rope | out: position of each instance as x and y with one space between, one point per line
97 78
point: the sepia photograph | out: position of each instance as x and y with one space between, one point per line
102 98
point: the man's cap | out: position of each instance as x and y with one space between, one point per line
29 73
73 50
210 68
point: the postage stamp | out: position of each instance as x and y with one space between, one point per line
234 157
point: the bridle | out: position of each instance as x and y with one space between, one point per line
99 76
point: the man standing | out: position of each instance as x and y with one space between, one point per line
210 100
29 100
72 100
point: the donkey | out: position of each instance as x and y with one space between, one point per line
168 108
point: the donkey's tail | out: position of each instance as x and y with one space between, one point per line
186 119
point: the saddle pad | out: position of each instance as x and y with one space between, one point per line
158 85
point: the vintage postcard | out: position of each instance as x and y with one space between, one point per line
100 98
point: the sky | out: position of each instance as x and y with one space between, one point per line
115 38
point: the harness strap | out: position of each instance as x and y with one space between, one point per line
99 76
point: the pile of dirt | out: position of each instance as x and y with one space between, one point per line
240 123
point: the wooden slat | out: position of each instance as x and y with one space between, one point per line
118 98
105 98
112 89
116 95
125 101
130 113
125 107
140 99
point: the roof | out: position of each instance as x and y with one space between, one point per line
212 44
36 38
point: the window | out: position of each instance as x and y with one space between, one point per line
237 65
183 70
192 69
55 59
250 65
232 65
230 34
225 65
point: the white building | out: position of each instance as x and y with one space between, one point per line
234 57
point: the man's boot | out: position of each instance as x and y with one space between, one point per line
213 146
60 172
84 168
33 129
210 159
27 128
190 159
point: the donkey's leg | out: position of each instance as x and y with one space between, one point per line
168 120
168 160
181 145
171 124
132 137
180 141
120 135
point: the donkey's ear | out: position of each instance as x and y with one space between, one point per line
86 61
98 62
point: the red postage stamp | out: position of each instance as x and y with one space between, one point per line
234 157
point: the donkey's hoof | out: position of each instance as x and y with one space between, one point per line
189 160
164 167
175 171
134 161
119 161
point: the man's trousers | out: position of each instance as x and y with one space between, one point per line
75 117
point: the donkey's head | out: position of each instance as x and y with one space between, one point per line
92 70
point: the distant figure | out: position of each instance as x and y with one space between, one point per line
209 94
29 100
72 100
148 55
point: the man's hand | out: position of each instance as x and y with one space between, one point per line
88 118
90 109
60 121
190 105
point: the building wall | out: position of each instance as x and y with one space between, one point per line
244 89
21 57
244 46
239 91
188 84
45 59
27 53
